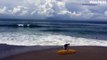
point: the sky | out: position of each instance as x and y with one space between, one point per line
54 9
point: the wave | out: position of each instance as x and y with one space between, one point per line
53 39
48 23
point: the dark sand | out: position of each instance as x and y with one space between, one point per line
84 53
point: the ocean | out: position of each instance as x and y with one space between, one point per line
53 33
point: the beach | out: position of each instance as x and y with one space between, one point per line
53 30
83 53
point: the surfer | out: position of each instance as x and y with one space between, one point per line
66 46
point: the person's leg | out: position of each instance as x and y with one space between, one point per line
65 48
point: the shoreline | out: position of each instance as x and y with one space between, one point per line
49 52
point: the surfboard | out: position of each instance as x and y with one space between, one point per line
65 52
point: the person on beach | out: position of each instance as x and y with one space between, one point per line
66 46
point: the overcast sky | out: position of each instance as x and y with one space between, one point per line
61 9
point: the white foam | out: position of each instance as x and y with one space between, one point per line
21 38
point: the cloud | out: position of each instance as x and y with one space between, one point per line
16 9
19 10
3 10
43 9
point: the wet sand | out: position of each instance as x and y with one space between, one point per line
83 53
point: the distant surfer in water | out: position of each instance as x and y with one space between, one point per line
66 46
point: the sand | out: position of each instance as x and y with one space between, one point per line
83 53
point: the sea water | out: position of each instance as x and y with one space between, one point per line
55 34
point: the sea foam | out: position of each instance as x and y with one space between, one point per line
43 39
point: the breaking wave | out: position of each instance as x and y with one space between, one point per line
43 38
